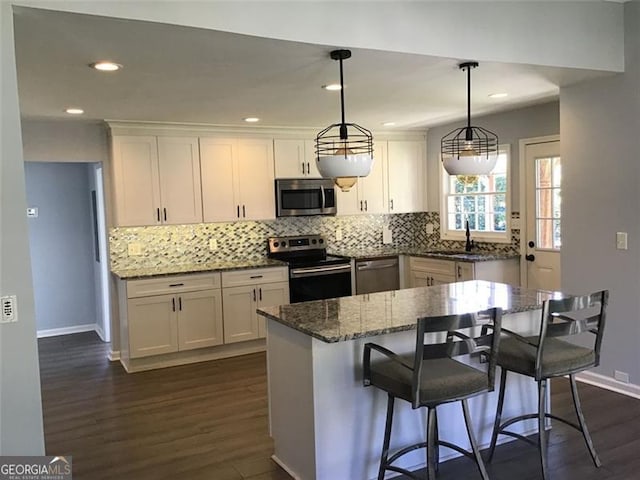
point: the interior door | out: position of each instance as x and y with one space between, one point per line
543 177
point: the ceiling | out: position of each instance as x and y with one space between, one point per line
183 74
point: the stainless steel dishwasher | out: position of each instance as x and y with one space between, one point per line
377 274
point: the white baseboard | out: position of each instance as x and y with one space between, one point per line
608 383
114 355
54 332
100 332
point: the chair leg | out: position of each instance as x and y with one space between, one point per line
542 433
472 441
437 442
431 443
581 421
387 438
498 419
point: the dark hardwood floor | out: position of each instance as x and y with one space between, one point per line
209 421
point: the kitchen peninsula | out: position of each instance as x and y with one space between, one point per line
325 424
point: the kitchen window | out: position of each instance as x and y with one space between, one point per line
482 200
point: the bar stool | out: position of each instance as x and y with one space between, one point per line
545 356
431 376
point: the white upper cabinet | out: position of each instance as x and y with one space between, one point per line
156 181
136 183
237 179
406 167
396 184
180 191
295 158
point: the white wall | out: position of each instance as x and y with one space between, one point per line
600 129
61 242
536 121
64 141
21 431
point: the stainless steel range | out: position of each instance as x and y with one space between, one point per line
313 275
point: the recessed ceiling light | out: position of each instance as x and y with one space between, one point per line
332 87
388 124
498 95
106 66
251 119
74 111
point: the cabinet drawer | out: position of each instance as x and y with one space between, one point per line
173 284
254 276
445 267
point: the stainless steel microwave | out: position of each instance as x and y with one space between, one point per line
305 196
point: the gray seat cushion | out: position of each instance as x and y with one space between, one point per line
443 380
559 357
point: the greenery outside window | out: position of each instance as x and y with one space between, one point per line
482 200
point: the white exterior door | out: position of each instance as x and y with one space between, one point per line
543 238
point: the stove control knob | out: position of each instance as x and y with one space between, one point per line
321 241
314 241
276 244
284 244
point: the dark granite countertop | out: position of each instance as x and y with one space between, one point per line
346 318
218 266
457 255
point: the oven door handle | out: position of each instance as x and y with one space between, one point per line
314 271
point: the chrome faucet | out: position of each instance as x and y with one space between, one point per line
469 244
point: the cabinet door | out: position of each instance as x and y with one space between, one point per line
464 271
153 328
372 187
440 279
420 279
310 157
200 319
219 200
348 202
406 174
239 312
270 295
290 161
256 179
136 181
180 187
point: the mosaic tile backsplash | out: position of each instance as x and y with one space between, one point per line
181 244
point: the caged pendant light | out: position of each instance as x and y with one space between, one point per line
469 151
344 151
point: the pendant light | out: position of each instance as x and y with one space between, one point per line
344 151
469 151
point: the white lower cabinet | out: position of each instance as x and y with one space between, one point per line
243 292
171 314
426 272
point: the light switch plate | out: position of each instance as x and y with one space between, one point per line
621 240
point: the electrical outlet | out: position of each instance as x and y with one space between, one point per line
213 244
338 234
621 240
429 228
387 235
134 249
9 309
621 376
